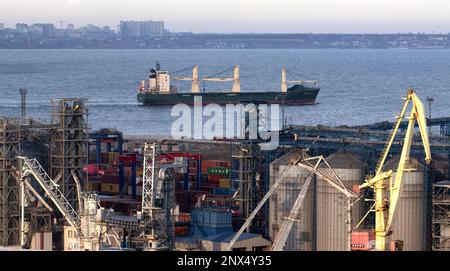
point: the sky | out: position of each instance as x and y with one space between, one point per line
242 16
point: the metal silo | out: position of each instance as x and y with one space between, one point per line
332 220
282 201
408 224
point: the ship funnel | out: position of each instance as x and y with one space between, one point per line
236 80
283 80
195 82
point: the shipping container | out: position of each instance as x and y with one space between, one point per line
91 169
109 188
222 171
225 183
181 230
184 217
363 240
214 179
214 163
93 186
222 191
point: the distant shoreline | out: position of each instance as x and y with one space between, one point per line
232 41
155 49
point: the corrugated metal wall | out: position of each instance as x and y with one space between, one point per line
281 202
332 224
409 221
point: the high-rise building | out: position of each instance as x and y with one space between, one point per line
158 27
70 27
2 26
21 28
135 29
130 29
44 30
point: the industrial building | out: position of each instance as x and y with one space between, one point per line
66 187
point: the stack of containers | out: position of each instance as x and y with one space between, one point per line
216 170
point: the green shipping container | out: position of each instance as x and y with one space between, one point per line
222 171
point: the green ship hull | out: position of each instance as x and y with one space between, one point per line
296 95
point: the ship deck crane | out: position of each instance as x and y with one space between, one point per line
235 79
382 182
286 227
284 81
195 88
196 80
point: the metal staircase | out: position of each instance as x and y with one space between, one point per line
32 166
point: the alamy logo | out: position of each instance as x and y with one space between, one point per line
237 121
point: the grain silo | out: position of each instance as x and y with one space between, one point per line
282 201
408 224
332 216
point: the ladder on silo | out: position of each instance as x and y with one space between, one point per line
32 166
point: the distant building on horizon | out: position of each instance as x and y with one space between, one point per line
2 26
43 30
141 29
21 28
38 30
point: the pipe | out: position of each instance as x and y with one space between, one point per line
98 151
133 180
121 178
199 173
22 213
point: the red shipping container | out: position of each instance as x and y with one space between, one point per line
361 240
214 163
91 169
214 179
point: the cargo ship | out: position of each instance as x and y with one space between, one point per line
157 90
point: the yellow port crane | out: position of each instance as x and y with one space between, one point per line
388 189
